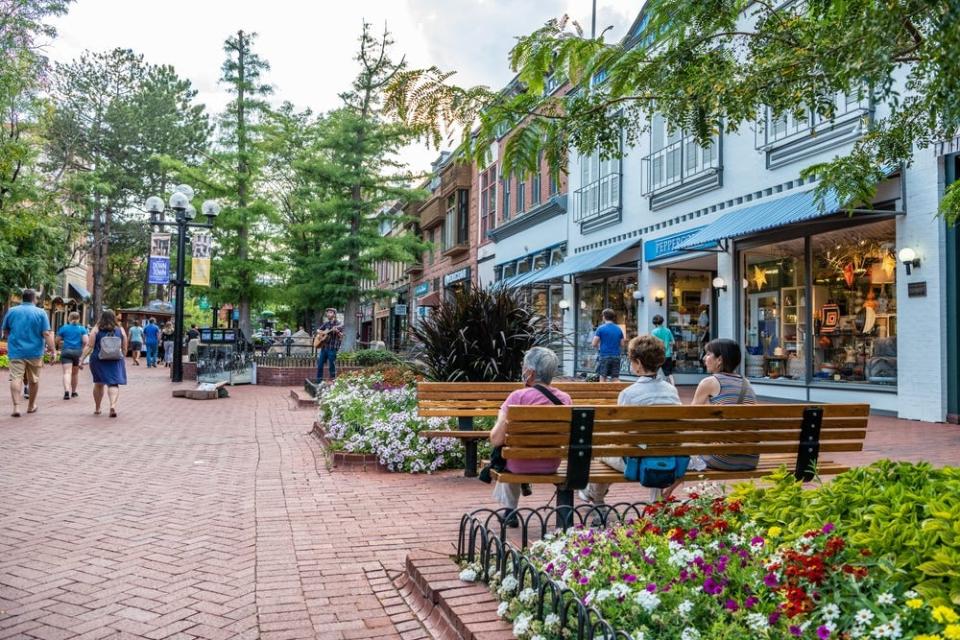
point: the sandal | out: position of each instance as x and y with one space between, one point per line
113 413
15 414
96 412
34 410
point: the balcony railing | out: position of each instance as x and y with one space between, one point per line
597 199
775 131
678 163
431 213
455 176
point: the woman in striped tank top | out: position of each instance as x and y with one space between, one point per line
721 359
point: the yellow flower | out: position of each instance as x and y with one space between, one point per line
916 603
952 631
774 532
944 615
923 637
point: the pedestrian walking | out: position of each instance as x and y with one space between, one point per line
107 344
609 339
328 339
73 338
151 340
27 329
666 337
168 337
136 341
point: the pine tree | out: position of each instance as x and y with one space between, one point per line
357 183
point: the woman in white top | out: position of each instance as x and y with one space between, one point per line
646 355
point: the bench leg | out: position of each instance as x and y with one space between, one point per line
564 508
470 459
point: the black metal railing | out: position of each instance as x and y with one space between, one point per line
483 540
283 360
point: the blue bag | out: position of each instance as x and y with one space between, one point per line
657 472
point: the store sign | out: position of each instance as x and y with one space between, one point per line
456 276
422 289
666 247
399 309
917 289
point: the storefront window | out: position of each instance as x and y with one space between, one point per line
854 275
776 314
620 299
689 316
588 319
849 330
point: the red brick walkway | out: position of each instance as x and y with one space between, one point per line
219 519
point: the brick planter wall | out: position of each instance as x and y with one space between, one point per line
189 370
290 376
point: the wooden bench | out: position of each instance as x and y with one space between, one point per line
790 434
467 400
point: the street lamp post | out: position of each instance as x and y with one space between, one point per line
184 213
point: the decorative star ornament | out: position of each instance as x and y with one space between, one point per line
759 277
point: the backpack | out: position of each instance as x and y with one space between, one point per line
111 348
657 472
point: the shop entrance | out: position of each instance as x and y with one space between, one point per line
690 316
614 292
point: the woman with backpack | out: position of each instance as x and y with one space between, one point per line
107 346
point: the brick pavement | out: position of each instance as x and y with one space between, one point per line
219 519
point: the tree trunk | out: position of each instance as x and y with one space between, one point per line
242 180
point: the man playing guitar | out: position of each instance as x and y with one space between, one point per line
328 339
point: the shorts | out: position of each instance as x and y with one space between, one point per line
667 367
29 369
70 356
136 347
608 366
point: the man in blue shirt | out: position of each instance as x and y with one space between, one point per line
151 340
73 338
609 338
26 328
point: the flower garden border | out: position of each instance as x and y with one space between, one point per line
482 539
345 458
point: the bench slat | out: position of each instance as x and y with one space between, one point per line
520 453
672 426
457 413
561 440
463 435
676 412
510 386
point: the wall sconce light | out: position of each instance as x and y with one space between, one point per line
719 284
638 296
659 296
583 305
909 258
564 305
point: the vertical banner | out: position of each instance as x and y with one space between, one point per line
200 272
158 266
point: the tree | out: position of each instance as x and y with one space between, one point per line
707 65
34 235
357 184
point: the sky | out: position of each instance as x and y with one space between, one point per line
310 44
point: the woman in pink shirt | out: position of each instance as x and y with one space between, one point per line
539 367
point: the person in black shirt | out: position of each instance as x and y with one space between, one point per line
328 339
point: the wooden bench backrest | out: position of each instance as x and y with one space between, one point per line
463 399
544 432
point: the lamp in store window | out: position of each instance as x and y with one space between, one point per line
659 296
909 258
638 296
564 305
719 284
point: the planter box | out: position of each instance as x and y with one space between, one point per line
346 459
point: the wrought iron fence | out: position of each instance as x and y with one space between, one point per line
283 360
483 540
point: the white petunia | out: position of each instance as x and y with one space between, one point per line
684 608
551 622
864 616
831 612
757 621
503 609
528 596
909 595
886 598
521 626
468 575
648 601
509 585
690 634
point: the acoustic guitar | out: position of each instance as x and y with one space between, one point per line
322 335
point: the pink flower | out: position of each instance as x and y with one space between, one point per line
770 580
827 528
823 633
630 578
731 605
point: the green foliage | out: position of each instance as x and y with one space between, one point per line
707 66
370 357
479 336
906 514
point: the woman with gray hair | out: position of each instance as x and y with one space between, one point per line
539 367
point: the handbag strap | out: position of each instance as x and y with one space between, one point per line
546 392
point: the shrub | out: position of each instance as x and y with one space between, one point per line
479 336
371 357
393 375
4 362
905 513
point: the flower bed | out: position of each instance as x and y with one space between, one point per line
363 414
716 567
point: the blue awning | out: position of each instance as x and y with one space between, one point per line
516 280
585 261
796 207
79 292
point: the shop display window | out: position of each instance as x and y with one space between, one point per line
843 322
855 272
776 313
614 293
689 316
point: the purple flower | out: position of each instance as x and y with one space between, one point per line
652 587
751 602
585 551
827 528
770 580
731 605
712 587
822 632
795 630
757 540
773 617
684 575
584 580
693 533
549 568
630 578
